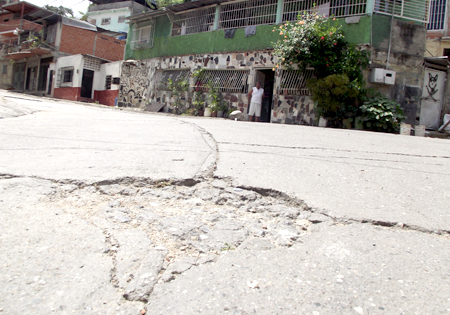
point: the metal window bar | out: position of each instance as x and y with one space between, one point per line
143 35
247 13
437 15
162 77
228 81
108 81
195 21
337 8
415 10
293 82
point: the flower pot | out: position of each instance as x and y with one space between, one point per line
220 113
207 112
200 113
214 114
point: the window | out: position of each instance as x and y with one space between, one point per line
337 8
92 21
67 75
437 15
116 80
106 21
245 13
143 35
293 82
415 10
121 19
162 77
194 22
64 77
5 69
228 81
108 82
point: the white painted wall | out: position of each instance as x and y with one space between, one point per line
114 15
75 61
112 69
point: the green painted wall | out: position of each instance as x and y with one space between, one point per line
215 42
381 26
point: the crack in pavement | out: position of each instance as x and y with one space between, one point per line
332 149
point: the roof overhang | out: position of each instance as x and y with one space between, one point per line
39 51
438 63
32 12
174 9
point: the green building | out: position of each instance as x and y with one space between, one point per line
233 42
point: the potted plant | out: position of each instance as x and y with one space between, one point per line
178 88
198 103
215 98
223 110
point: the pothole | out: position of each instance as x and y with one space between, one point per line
185 222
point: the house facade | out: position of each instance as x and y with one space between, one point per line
85 77
32 39
233 42
112 16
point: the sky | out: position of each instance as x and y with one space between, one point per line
75 5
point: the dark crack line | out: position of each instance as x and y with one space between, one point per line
331 149
209 172
329 159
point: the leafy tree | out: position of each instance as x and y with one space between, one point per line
314 41
167 3
59 10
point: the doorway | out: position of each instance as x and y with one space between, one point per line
86 83
50 83
267 79
432 95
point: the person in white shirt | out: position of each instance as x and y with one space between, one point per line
256 95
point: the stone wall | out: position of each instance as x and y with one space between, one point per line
137 87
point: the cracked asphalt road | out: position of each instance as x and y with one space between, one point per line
105 211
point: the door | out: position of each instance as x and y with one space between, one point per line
19 76
50 83
266 77
432 94
86 83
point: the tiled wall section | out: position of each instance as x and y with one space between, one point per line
137 87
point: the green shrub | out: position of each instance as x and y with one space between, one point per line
380 113
336 97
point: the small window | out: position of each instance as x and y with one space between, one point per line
106 21
121 19
92 21
5 69
67 75
143 35
116 80
108 82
